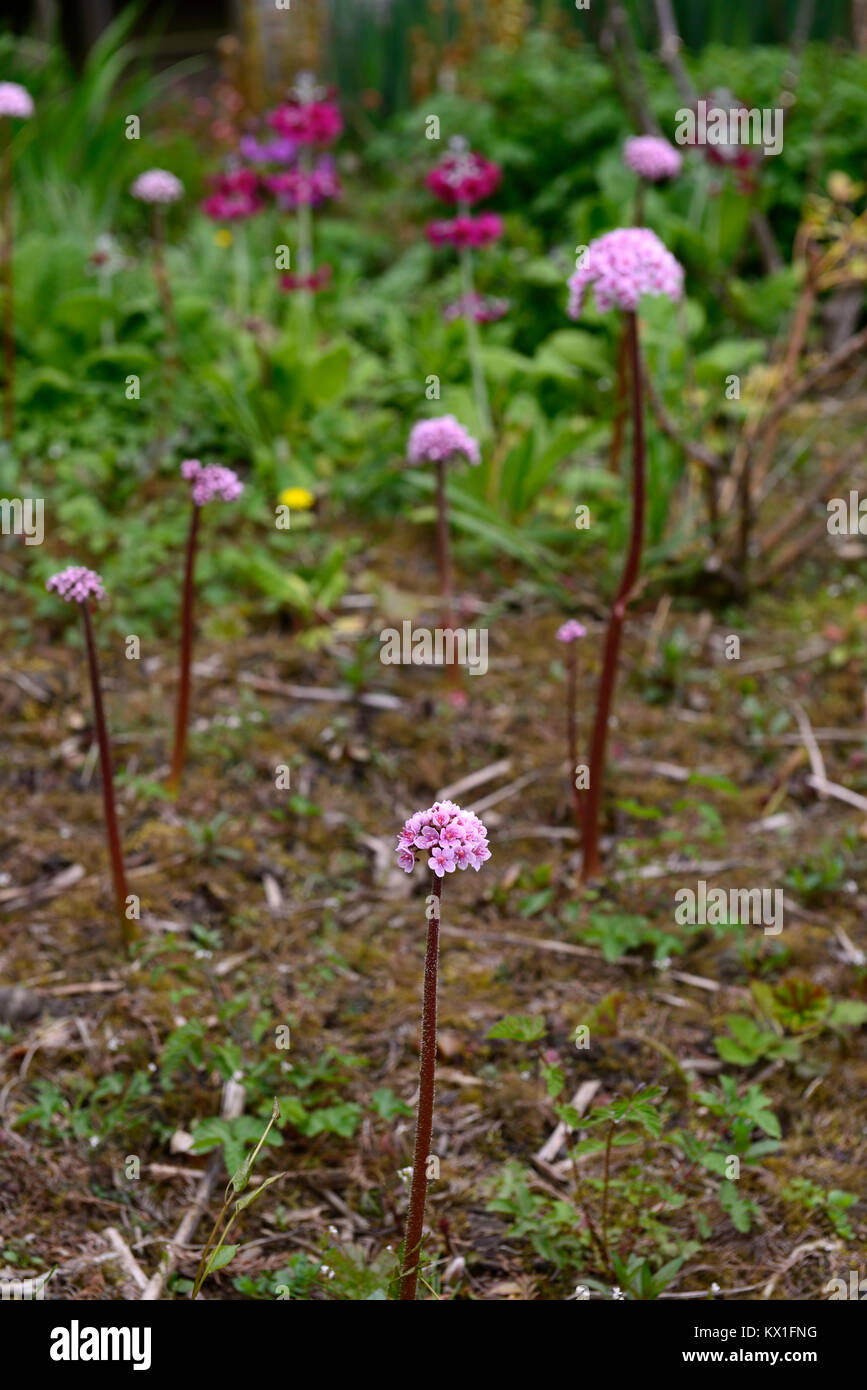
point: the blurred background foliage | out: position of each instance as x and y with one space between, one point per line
330 410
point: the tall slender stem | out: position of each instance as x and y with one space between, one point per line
305 245
424 1119
445 565
474 342
6 268
162 279
592 864
111 827
183 707
608 1140
572 729
620 404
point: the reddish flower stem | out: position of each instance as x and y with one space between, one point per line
8 331
162 279
114 845
424 1118
183 707
620 406
592 865
444 563
572 730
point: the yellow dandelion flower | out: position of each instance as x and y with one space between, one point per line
298 497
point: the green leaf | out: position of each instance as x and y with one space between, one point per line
519 1028
221 1257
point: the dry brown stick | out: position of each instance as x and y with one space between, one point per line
125 1258
797 338
793 519
700 452
852 346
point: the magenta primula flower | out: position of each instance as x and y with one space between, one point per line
307 123
622 266
456 839
570 631
235 196
76 584
295 188
277 151
436 440
15 101
652 158
464 177
466 230
316 280
210 481
157 186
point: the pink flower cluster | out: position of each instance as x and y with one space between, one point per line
466 231
464 177
15 100
211 481
569 631
316 280
296 187
652 158
456 839
235 196
307 123
622 266
433 441
483 310
77 584
157 186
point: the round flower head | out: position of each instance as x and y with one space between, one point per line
652 158
464 177
568 632
211 480
622 266
15 100
157 186
433 441
452 839
77 584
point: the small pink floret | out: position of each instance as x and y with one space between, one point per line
157 186
456 839
76 584
569 631
16 101
433 441
622 266
652 158
211 481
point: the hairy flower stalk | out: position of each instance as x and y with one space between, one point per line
207 482
441 441
159 189
78 585
455 839
621 266
15 103
569 633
